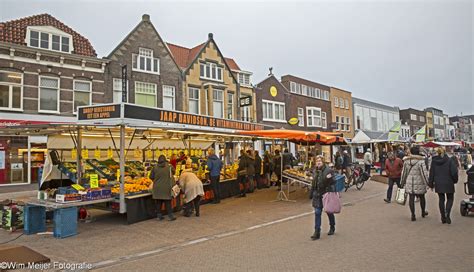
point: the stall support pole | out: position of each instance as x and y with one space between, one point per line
79 155
122 169
29 161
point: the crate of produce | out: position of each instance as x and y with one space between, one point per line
65 222
66 190
12 217
68 169
35 219
340 182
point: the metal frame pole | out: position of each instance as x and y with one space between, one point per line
122 169
79 155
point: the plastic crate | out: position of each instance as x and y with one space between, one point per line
65 222
340 183
35 219
66 190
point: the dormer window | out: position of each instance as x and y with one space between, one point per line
145 62
244 79
49 38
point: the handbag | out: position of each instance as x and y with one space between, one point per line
332 202
175 191
401 196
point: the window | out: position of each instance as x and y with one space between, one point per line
293 87
336 102
325 95
244 79
117 88
313 116
230 106
82 93
304 90
145 94
324 120
194 100
347 104
50 40
145 62
273 111
422 119
318 93
11 91
49 94
210 70
413 117
301 117
168 97
311 91
341 103
348 124
245 111
218 103
337 123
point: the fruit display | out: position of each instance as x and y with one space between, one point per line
297 173
132 168
131 185
229 171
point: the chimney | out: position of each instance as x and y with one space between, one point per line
271 71
145 18
210 36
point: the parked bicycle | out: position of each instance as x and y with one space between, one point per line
357 178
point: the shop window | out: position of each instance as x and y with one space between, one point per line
82 93
49 94
194 100
145 94
11 91
168 97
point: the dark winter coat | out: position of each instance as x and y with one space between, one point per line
443 174
287 160
277 165
321 184
243 165
250 165
214 165
346 161
163 181
394 168
414 175
267 164
258 165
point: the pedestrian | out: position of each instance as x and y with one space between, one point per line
258 171
192 188
287 159
415 180
182 157
393 168
277 167
163 180
346 163
173 161
368 161
382 158
251 170
338 161
242 173
400 153
267 167
214 165
443 175
323 182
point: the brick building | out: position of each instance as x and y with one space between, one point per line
415 119
342 113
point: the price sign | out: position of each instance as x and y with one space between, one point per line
149 154
85 153
186 152
110 153
158 152
118 174
94 180
175 151
74 154
192 152
78 187
137 153
170 152
97 153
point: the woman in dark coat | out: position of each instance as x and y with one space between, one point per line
163 181
323 182
443 176
267 167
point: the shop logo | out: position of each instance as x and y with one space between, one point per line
273 91
293 121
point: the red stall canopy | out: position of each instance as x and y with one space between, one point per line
298 136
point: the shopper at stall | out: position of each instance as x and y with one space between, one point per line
251 170
277 167
173 161
242 173
163 180
287 159
414 179
443 176
382 158
393 168
261 182
368 161
214 165
268 166
323 182
182 157
192 188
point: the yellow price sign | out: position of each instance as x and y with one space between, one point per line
170 152
186 152
110 153
78 187
149 154
73 153
158 152
118 174
85 153
175 151
137 153
192 152
97 153
94 180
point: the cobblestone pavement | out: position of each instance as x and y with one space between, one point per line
257 234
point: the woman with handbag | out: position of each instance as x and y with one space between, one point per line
163 182
415 180
192 188
323 182
443 175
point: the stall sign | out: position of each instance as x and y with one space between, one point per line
110 153
85 153
245 101
158 152
74 154
149 154
97 153
78 187
94 181
293 121
99 112
137 153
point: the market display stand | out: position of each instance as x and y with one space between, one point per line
65 216
292 180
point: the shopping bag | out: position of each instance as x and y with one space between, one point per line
401 197
332 202
175 191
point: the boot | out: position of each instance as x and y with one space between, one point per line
332 229
160 216
443 218
448 218
413 217
424 214
316 235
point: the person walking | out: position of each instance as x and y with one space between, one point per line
323 182
393 168
251 170
338 161
214 165
267 167
163 180
368 161
277 167
192 188
242 173
415 180
258 171
382 159
346 163
443 175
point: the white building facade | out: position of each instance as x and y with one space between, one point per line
374 117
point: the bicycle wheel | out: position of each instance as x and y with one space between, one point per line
359 185
347 183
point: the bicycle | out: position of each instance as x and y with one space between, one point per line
356 178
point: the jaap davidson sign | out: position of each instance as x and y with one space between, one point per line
160 115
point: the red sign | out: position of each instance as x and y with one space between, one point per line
15 123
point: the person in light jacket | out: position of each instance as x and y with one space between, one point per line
192 188
443 176
368 161
214 165
163 180
415 180
323 182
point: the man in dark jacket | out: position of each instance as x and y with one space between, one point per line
251 170
214 165
393 168
258 171
323 182
242 173
382 158
443 176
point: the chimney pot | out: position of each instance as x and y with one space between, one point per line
145 17
210 36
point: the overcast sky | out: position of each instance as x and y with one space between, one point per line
401 53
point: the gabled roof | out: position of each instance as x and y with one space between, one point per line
14 31
232 64
184 56
276 79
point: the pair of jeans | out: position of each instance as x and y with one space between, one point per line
243 181
392 181
317 218
193 204
367 168
216 188
445 208
411 202
159 203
